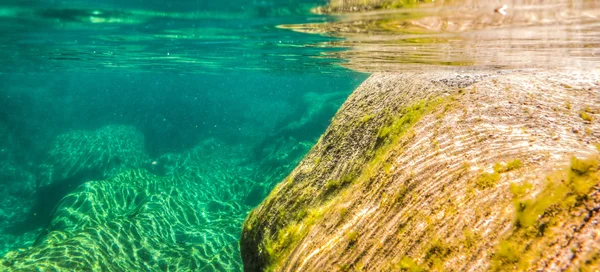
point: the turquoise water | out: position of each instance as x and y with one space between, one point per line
137 135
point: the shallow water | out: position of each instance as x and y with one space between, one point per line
126 107
144 132
181 36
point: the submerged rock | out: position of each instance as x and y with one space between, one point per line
442 171
131 222
181 214
80 156
296 132
216 165
103 152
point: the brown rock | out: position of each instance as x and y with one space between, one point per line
420 184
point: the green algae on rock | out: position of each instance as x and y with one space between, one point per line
410 196
567 201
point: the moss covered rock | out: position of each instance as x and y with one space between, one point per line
439 171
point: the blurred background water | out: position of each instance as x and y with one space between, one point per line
210 104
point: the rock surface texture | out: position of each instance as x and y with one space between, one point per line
443 172
105 151
182 213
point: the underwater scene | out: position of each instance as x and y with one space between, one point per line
200 135
131 129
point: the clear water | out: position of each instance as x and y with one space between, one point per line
179 36
197 106
137 135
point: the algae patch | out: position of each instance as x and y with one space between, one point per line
489 180
336 190
535 217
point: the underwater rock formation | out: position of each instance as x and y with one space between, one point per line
104 152
220 167
183 219
80 156
183 213
133 221
439 171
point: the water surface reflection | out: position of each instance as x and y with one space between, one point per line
468 33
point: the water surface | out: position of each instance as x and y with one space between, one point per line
462 35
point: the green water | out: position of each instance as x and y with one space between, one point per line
137 135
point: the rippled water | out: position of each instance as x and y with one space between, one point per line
465 34
182 36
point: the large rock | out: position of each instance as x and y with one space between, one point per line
441 171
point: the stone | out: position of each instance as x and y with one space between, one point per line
420 185
97 154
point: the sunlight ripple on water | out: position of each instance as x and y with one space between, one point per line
188 37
